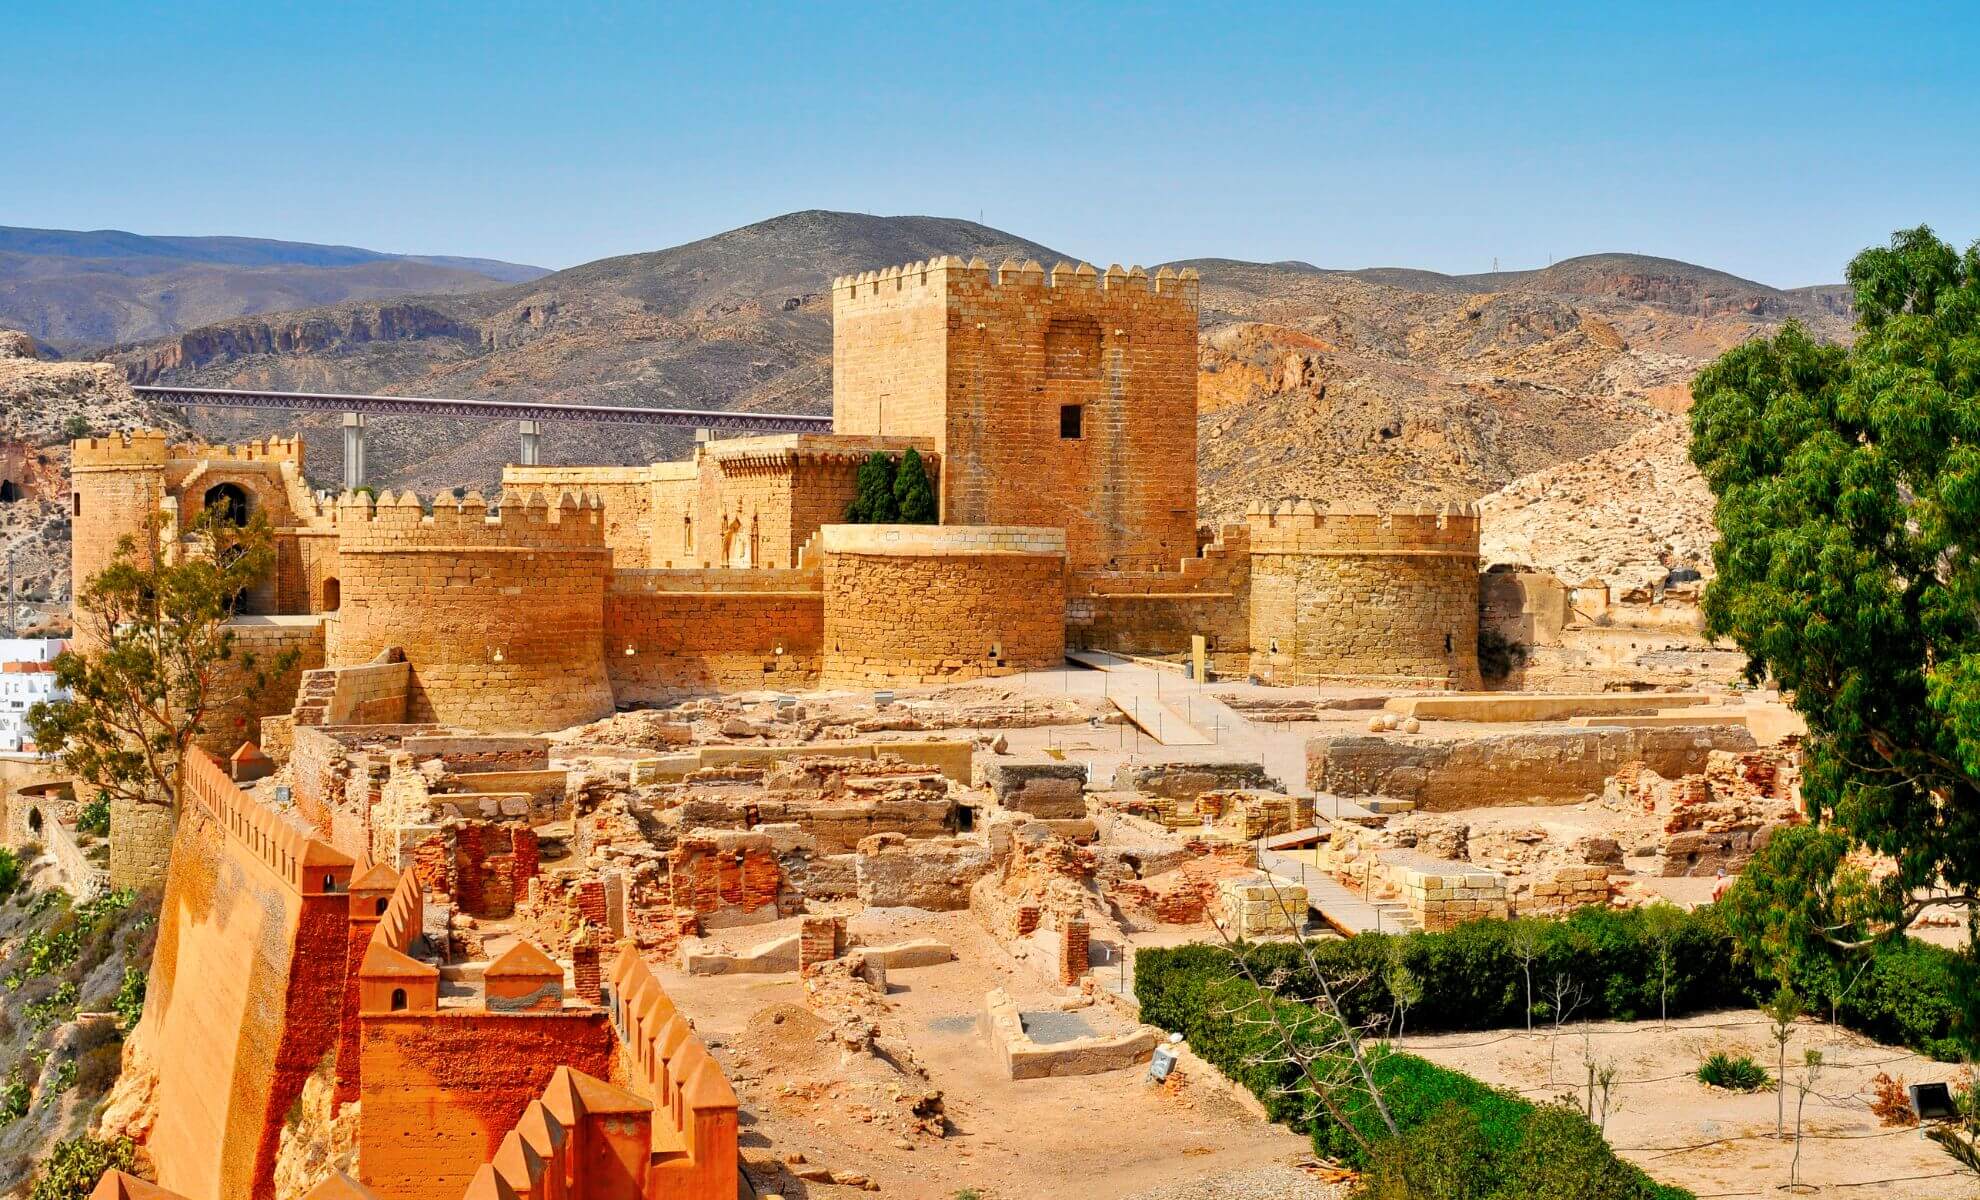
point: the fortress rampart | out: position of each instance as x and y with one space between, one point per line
1159 612
1365 596
694 1108
501 617
925 603
246 986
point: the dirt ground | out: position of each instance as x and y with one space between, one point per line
1092 1137
1722 1144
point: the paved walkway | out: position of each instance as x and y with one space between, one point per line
1343 910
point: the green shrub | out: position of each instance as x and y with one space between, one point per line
53 1009
1733 1072
1472 975
873 500
94 817
10 871
1227 1022
16 1095
1444 1158
1560 1154
75 1165
129 1001
914 500
98 1067
1911 993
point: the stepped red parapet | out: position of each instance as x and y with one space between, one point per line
694 1108
307 865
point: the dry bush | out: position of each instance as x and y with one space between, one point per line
98 1067
1891 1104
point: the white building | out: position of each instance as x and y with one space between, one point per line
27 676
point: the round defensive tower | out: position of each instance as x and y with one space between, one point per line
1363 596
501 615
933 603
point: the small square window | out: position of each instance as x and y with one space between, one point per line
1071 419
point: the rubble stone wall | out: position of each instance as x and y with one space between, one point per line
259 646
1545 767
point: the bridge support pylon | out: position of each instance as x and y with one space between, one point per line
353 451
532 442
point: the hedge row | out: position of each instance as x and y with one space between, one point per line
1228 1022
1475 977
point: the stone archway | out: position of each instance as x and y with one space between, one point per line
227 502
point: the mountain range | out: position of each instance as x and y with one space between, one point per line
74 289
1383 385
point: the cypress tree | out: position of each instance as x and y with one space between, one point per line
873 495
913 498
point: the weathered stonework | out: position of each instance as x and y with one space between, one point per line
926 603
989 363
502 617
1365 597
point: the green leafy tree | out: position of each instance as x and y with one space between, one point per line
160 659
1798 897
1848 508
873 493
914 500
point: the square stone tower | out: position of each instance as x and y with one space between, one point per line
1066 401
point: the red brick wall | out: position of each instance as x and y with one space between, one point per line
442 1089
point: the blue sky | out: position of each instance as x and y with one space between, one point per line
1770 140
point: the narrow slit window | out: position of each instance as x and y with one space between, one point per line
1072 420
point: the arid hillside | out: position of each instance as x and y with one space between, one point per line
1395 386
74 289
43 405
1631 515
1388 385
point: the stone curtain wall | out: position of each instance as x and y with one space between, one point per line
440 1089
245 988
713 630
984 361
266 639
1157 612
927 603
1361 596
501 618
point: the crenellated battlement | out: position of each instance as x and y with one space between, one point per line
132 448
305 864
694 1125
1301 527
526 519
153 448
952 274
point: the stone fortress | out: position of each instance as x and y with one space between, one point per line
1057 416
544 751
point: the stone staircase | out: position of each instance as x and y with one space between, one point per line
314 695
